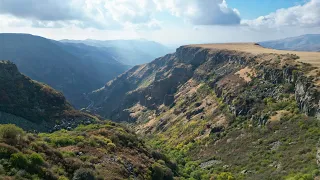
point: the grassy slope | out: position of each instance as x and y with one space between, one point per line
107 151
283 148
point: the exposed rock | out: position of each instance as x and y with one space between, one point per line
210 163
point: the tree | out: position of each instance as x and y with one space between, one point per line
11 134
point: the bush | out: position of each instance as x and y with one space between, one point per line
83 174
224 176
63 141
160 172
36 159
157 172
62 178
19 160
10 134
6 150
111 146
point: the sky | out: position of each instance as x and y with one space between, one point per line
171 22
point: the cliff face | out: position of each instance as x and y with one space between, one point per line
217 110
227 72
30 101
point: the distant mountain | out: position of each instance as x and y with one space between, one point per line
308 42
72 69
33 105
130 52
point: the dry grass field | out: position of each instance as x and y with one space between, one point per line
312 58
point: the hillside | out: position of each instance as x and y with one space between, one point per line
99 151
80 146
308 42
229 111
71 69
33 105
130 52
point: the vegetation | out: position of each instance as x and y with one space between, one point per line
96 151
36 102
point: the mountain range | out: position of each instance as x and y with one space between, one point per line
130 52
72 68
207 111
308 42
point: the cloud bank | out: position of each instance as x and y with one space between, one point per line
201 12
106 14
144 14
307 15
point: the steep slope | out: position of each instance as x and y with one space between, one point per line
224 111
99 151
308 42
33 105
130 52
65 68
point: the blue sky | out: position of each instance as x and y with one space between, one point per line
250 9
167 21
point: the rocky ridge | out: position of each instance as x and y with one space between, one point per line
249 111
154 84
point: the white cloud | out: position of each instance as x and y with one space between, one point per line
99 14
115 14
48 10
133 11
201 12
307 15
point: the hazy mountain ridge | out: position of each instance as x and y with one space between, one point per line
308 42
130 52
74 70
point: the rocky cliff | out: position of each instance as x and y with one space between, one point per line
225 110
227 71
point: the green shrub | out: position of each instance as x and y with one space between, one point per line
100 140
19 160
11 134
225 176
2 171
6 150
161 172
83 174
36 159
111 146
62 178
300 177
63 141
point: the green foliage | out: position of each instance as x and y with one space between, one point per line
6 150
19 160
84 174
11 134
300 176
225 176
161 172
36 159
111 146
66 154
